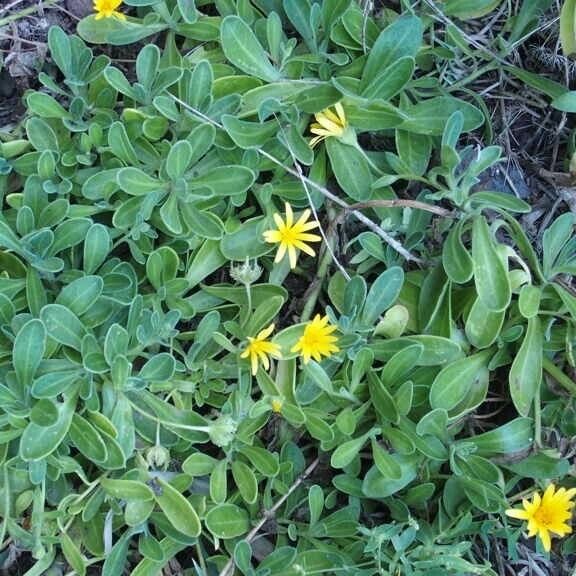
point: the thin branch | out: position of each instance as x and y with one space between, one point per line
400 203
358 215
228 570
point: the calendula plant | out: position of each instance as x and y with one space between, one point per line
259 315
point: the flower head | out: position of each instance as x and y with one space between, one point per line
276 405
317 340
328 124
107 9
292 235
259 348
547 513
222 430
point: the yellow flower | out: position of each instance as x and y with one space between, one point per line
328 124
276 405
107 9
317 340
259 348
547 513
292 235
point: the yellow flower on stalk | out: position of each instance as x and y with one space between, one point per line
107 9
317 340
259 348
292 235
547 514
328 124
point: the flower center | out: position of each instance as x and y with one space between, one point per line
289 235
312 338
543 516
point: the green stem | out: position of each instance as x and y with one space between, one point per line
312 296
537 419
562 379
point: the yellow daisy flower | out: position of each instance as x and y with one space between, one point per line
547 514
259 348
292 235
317 340
107 9
328 124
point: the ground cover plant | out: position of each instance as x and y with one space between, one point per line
268 308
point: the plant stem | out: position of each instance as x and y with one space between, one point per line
562 379
269 514
314 290
537 418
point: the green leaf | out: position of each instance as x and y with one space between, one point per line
265 462
219 482
45 106
120 144
529 300
454 381
469 9
390 80
483 325
160 367
188 11
29 348
430 116
72 554
515 436
500 200
225 182
382 399
41 135
526 371
178 159
456 259
246 241
137 183
60 49
375 485
147 63
245 481
177 509
540 466
490 273
567 27
70 233
37 442
63 325
346 452
227 521
385 462
204 224
127 489
54 383
241 48
249 135
298 12
436 349
85 437
350 169
382 294
401 364
198 464
96 247
401 38
80 294
117 32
